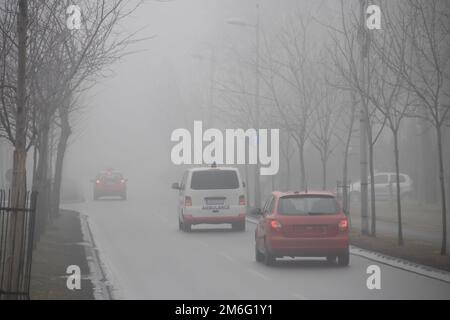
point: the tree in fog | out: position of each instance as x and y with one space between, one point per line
424 27
42 65
389 94
326 116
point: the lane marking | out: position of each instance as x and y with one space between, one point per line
299 296
203 243
226 256
259 274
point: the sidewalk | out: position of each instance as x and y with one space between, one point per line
60 247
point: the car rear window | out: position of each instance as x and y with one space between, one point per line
310 205
214 179
111 177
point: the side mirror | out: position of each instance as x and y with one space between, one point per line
176 186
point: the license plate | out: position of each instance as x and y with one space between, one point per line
312 229
215 201
215 207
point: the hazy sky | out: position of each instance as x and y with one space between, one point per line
130 116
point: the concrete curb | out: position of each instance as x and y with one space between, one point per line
398 263
102 289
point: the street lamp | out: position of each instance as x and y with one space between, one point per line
241 23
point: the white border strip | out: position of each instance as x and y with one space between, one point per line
102 289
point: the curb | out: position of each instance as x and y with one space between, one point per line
398 263
102 289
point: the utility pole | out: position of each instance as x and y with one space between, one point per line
363 122
257 26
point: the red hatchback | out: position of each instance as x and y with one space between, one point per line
110 184
302 224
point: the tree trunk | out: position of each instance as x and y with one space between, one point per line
288 168
345 202
397 181
301 154
442 183
62 146
16 236
373 223
324 174
41 182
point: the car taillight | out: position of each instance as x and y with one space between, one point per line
343 225
97 182
187 202
242 200
276 225
122 181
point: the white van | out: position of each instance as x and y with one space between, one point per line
211 195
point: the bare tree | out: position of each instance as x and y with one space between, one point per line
426 26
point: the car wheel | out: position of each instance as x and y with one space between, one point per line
95 197
124 196
180 225
344 259
331 259
240 226
269 259
259 257
187 227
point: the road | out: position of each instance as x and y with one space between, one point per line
147 257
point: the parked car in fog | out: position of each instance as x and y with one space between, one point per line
385 186
211 195
302 224
110 184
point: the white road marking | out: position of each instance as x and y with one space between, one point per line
226 256
259 274
299 296
203 243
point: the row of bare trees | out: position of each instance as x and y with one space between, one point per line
318 76
45 68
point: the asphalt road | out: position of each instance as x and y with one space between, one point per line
147 257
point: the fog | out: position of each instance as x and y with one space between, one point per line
360 105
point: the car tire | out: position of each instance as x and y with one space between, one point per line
239 226
269 258
187 227
180 225
331 259
124 196
95 197
259 257
344 259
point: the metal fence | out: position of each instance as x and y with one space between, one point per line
17 223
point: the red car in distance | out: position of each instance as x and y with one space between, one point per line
302 224
110 184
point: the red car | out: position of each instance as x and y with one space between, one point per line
302 224
110 184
